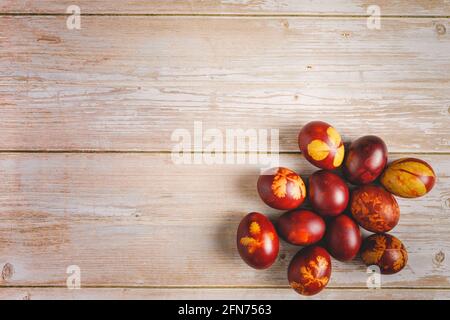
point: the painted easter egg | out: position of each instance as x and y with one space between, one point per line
408 178
281 188
366 159
385 251
343 238
310 270
328 193
321 145
301 227
257 241
374 208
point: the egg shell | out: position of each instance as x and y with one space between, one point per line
343 238
321 145
310 270
301 227
385 251
328 193
257 241
374 208
281 188
365 160
408 178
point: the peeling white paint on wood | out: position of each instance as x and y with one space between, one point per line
311 7
129 87
125 220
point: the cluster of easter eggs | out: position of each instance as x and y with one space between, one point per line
332 226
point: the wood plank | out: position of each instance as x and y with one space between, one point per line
219 293
129 87
310 7
140 220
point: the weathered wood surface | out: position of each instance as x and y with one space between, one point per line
140 220
303 7
140 226
216 293
128 87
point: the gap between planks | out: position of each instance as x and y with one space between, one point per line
80 151
238 15
217 287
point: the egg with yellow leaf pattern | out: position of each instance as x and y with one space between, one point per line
257 241
408 178
310 270
321 145
281 188
385 251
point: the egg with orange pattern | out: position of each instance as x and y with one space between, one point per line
281 188
408 178
322 145
310 270
385 251
374 208
301 227
257 241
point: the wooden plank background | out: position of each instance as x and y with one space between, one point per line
215 293
234 7
87 117
104 88
153 223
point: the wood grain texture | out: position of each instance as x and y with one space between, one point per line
216 293
140 220
277 7
141 227
129 87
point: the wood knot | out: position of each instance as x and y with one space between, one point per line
440 29
282 256
286 24
439 258
8 271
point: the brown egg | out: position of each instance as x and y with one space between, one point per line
257 241
374 208
328 193
301 227
343 238
366 159
321 145
385 251
281 188
408 178
310 270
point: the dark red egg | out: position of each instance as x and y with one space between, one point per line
366 159
374 208
328 193
257 241
321 145
281 188
310 270
385 251
343 238
301 227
